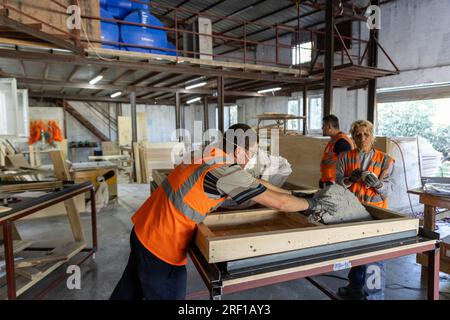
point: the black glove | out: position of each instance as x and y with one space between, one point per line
321 205
355 176
299 194
372 181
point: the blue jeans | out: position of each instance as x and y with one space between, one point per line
371 278
147 277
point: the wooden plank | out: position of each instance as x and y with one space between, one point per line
17 187
110 158
31 262
23 284
231 248
18 245
110 148
18 161
124 129
29 273
62 173
142 126
435 201
4 209
247 233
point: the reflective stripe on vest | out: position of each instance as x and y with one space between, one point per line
379 164
177 198
329 158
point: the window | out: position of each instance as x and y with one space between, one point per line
230 116
293 108
315 113
301 53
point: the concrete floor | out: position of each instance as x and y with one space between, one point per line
100 276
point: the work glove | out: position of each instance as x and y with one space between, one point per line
355 176
371 180
322 205
299 194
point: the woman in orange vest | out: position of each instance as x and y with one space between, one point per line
368 173
339 142
165 223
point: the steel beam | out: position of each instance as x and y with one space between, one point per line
220 102
133 116
329 53
373 62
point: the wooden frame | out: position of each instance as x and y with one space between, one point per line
244 234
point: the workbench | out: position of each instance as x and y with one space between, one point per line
12 243
240 275
431 202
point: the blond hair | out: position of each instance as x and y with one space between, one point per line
362 123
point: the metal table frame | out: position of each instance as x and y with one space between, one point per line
7 220
218 281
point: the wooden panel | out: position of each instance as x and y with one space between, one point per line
125 133
110 148
142 126
304 153
250 233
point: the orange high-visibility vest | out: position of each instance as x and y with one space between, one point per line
329 158
166 222
379 164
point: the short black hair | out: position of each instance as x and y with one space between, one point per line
332 120
239 134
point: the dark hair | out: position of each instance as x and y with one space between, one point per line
239 134
333 120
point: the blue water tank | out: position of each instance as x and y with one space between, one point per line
103 4
110 30
142 35
170 45
121 8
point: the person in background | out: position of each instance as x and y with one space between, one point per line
368 173
339 142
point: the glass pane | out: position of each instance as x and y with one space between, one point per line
233 115
8 107
315 113
294 110
23 123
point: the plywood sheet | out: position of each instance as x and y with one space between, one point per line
125 133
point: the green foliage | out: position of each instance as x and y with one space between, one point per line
410 119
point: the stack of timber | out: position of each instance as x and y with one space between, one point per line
149 156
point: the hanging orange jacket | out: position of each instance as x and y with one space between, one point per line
379 164
166 222
329 158
55 131
36 129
